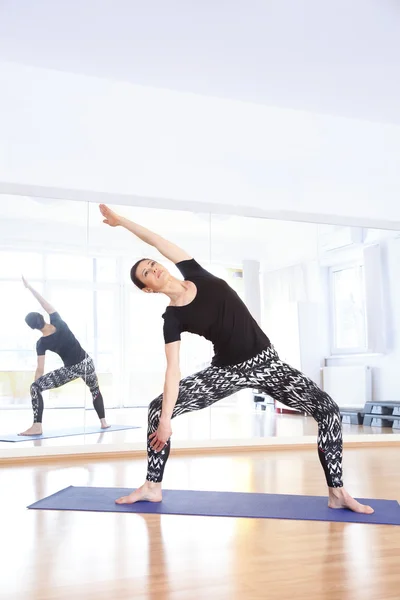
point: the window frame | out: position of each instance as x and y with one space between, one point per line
334 348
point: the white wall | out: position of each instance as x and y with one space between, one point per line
313 317
385 367
301 329
295 315
62 132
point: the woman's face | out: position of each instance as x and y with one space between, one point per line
152 274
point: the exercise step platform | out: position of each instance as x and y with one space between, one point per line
383 408
352 416
376 420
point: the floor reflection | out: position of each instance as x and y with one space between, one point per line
217 423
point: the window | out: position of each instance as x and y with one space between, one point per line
69 267
85 291
14 264
17 339
106 270
348 314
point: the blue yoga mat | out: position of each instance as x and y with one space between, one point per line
64 433
219 504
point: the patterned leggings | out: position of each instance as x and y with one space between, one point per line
54 379
264 372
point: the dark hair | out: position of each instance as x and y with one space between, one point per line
134 277
35 320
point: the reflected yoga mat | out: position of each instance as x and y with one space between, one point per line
219 504
64 433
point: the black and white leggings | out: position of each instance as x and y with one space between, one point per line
85 369
264 372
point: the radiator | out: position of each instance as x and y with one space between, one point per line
348 386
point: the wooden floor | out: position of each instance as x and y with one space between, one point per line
67 555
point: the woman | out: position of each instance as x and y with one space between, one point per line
244 358
57 337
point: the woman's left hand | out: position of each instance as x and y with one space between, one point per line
110 217
159 438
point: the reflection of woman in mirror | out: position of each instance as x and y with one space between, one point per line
57 337
244 358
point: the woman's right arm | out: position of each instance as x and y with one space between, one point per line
166 248
43 303
40 367
172 379
159 438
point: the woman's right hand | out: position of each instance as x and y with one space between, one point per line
110 217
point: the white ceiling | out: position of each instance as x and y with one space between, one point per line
340 57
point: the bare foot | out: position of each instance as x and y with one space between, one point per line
36 429
339 498
150 492
104 424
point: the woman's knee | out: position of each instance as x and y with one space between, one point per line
94 388
35 388
154 410
155 405
330 407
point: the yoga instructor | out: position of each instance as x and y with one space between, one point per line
243 358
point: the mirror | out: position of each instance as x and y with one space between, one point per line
328 299
44 240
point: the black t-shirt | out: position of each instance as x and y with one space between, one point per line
218 314
62 342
